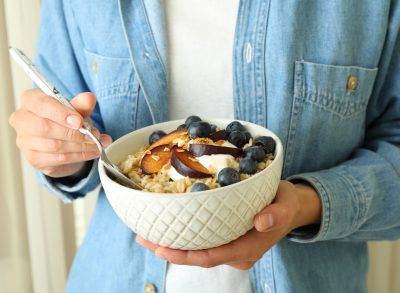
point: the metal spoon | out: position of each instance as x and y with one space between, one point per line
29 67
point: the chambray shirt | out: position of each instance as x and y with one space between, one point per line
323 75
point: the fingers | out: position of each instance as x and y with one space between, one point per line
26 141
48 135
231 253
241 253
243 265
273 217
149 245
25 121
61 170
47 107
281 213
42 161
271 225
84 103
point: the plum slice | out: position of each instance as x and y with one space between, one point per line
219 135
156 159
168 139
199 150
187 165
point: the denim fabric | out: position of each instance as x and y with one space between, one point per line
292 63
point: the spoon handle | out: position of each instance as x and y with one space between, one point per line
42 82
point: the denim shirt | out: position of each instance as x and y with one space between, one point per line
323 75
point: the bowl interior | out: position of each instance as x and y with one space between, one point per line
131 142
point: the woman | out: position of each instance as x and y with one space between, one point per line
322 76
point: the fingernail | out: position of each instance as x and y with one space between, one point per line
265 222
74 121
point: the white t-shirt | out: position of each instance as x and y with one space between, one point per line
200 37
200 43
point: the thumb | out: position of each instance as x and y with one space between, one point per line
273 217
84 103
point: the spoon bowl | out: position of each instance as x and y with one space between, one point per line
113 171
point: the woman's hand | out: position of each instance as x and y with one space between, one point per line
48 135
295 205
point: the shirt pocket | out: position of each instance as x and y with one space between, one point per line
116 87
328 114
341 90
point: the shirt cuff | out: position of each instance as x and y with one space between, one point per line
68 193
341 200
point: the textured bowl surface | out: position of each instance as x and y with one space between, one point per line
196 220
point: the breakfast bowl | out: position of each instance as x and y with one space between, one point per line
191 220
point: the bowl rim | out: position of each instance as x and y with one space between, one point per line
279 152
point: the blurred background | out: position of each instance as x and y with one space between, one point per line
38 234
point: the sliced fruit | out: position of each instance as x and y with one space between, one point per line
156 159
199 150
187 165
168 139
219 135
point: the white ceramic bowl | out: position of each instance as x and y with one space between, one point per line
197 220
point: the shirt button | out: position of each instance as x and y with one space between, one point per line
352 83
94 67
149 288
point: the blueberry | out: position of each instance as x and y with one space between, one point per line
156 135
247 166
199 129
235 126
267 143
213 128
191 119
255 152
248 135
228 176
182 126
199 187
237 138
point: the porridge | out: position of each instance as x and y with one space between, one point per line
198 156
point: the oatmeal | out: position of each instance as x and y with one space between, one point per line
198 156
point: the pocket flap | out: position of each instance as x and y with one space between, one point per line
341 89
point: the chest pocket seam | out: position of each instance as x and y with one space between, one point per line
325 87
114 82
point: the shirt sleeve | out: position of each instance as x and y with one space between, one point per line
361 197
59 56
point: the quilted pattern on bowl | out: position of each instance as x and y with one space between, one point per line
198 222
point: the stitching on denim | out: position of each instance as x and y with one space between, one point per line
109 58
272 270
357 189
237 57
116 91
261 36
298 86
343 109
153 39
340 66
135 104
326 206
132 60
